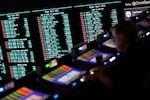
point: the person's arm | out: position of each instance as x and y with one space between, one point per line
97 72
104 79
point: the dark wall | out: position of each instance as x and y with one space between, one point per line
13 5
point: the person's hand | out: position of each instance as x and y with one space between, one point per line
94 72
97 73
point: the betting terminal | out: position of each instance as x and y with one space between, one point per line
59 77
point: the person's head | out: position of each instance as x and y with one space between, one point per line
124 34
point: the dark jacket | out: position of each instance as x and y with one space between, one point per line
130 77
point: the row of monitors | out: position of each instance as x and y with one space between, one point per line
29 38
63 76
60 74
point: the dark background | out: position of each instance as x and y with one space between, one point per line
15 5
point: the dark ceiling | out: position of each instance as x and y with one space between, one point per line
12 5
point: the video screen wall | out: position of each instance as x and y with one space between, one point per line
31 37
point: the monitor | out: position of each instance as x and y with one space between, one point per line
31 37
96 18
91 56
26 93
63 75
55 34
17 56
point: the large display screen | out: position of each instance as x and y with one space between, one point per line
31 37
55 31
93 18
63 75
16 47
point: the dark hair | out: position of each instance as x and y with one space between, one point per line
127 28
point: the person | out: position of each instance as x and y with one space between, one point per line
128 78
